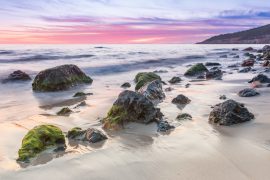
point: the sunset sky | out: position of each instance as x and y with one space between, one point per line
126 21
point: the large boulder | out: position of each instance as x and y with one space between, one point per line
196 69
248 92
91 135
153 91
60 78
261 78
230 112
38 139
131 107
145 77
17 76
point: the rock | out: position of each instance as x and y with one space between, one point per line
175 80
126 85
81 104
236 57
160 71
230 112
131 107
235 49
181 99
38 139
248 92
251 56
145 77
248 49
212 64
168 89
266 48
245 70
153 91
261 78
91 135
81 94
196 70
249 62
214 74
17 76
223 56
184 116
187 85
64 112
233 66
266 56
266 63
164 126
201 77
222 97
60 78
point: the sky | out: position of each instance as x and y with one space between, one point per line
126 21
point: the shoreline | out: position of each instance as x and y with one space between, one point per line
194 150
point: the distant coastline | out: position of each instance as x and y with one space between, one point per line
259 35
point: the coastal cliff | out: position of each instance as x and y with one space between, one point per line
260 35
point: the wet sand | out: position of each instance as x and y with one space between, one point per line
195 150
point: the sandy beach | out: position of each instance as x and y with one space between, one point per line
194 150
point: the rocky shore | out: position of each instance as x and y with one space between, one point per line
146 100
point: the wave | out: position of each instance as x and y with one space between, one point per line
5 52
119 68
45 58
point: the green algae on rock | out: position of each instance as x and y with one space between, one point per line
38 139
196 70
60 78
131 107
64 112
115 117
143 78
91 135
80 94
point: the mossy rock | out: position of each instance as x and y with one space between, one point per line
38 139
64 112
60 78
145 77
81 94
196 70
116 116
75 132
131 107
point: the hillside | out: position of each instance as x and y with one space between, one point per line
260 35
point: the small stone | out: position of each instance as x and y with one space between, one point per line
248 49
168 89
245 70
222 97
249 62
248 92
17 76
80 94
212 64
223 56
181 99
175 80
164 126
126 85
64 112
184 116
